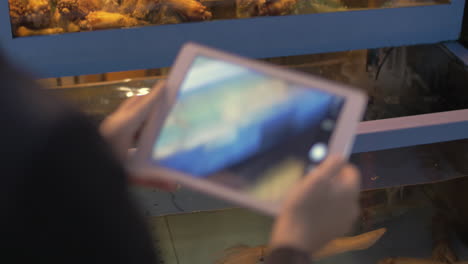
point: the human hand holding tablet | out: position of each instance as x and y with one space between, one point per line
243 130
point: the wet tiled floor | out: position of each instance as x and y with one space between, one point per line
201 238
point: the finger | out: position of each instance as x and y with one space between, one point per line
350 214
155 92
142 107
132 102
326 171
348 181
137 101
352 177
129 102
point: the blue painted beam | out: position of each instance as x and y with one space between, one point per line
411 131
458 50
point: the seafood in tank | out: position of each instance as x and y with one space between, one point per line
74 10
24 31
102 20
32 14
46 17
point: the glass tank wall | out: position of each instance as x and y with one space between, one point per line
46 17
464 33
413 199
417 224
401 81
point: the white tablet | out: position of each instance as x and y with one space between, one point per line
243 130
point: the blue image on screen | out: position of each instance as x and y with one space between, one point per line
226 114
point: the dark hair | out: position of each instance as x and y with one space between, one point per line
20 96
13 81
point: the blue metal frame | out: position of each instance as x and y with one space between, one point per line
410 137
458 51
156 46
411 131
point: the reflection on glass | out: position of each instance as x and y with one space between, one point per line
423 222
412 165
45 17
413 80
258 130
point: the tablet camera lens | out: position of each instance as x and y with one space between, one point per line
318 152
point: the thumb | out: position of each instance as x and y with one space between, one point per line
348 181
142 106
325 172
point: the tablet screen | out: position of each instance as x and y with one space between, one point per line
244 129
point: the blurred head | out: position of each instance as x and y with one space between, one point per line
16 86
11 76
